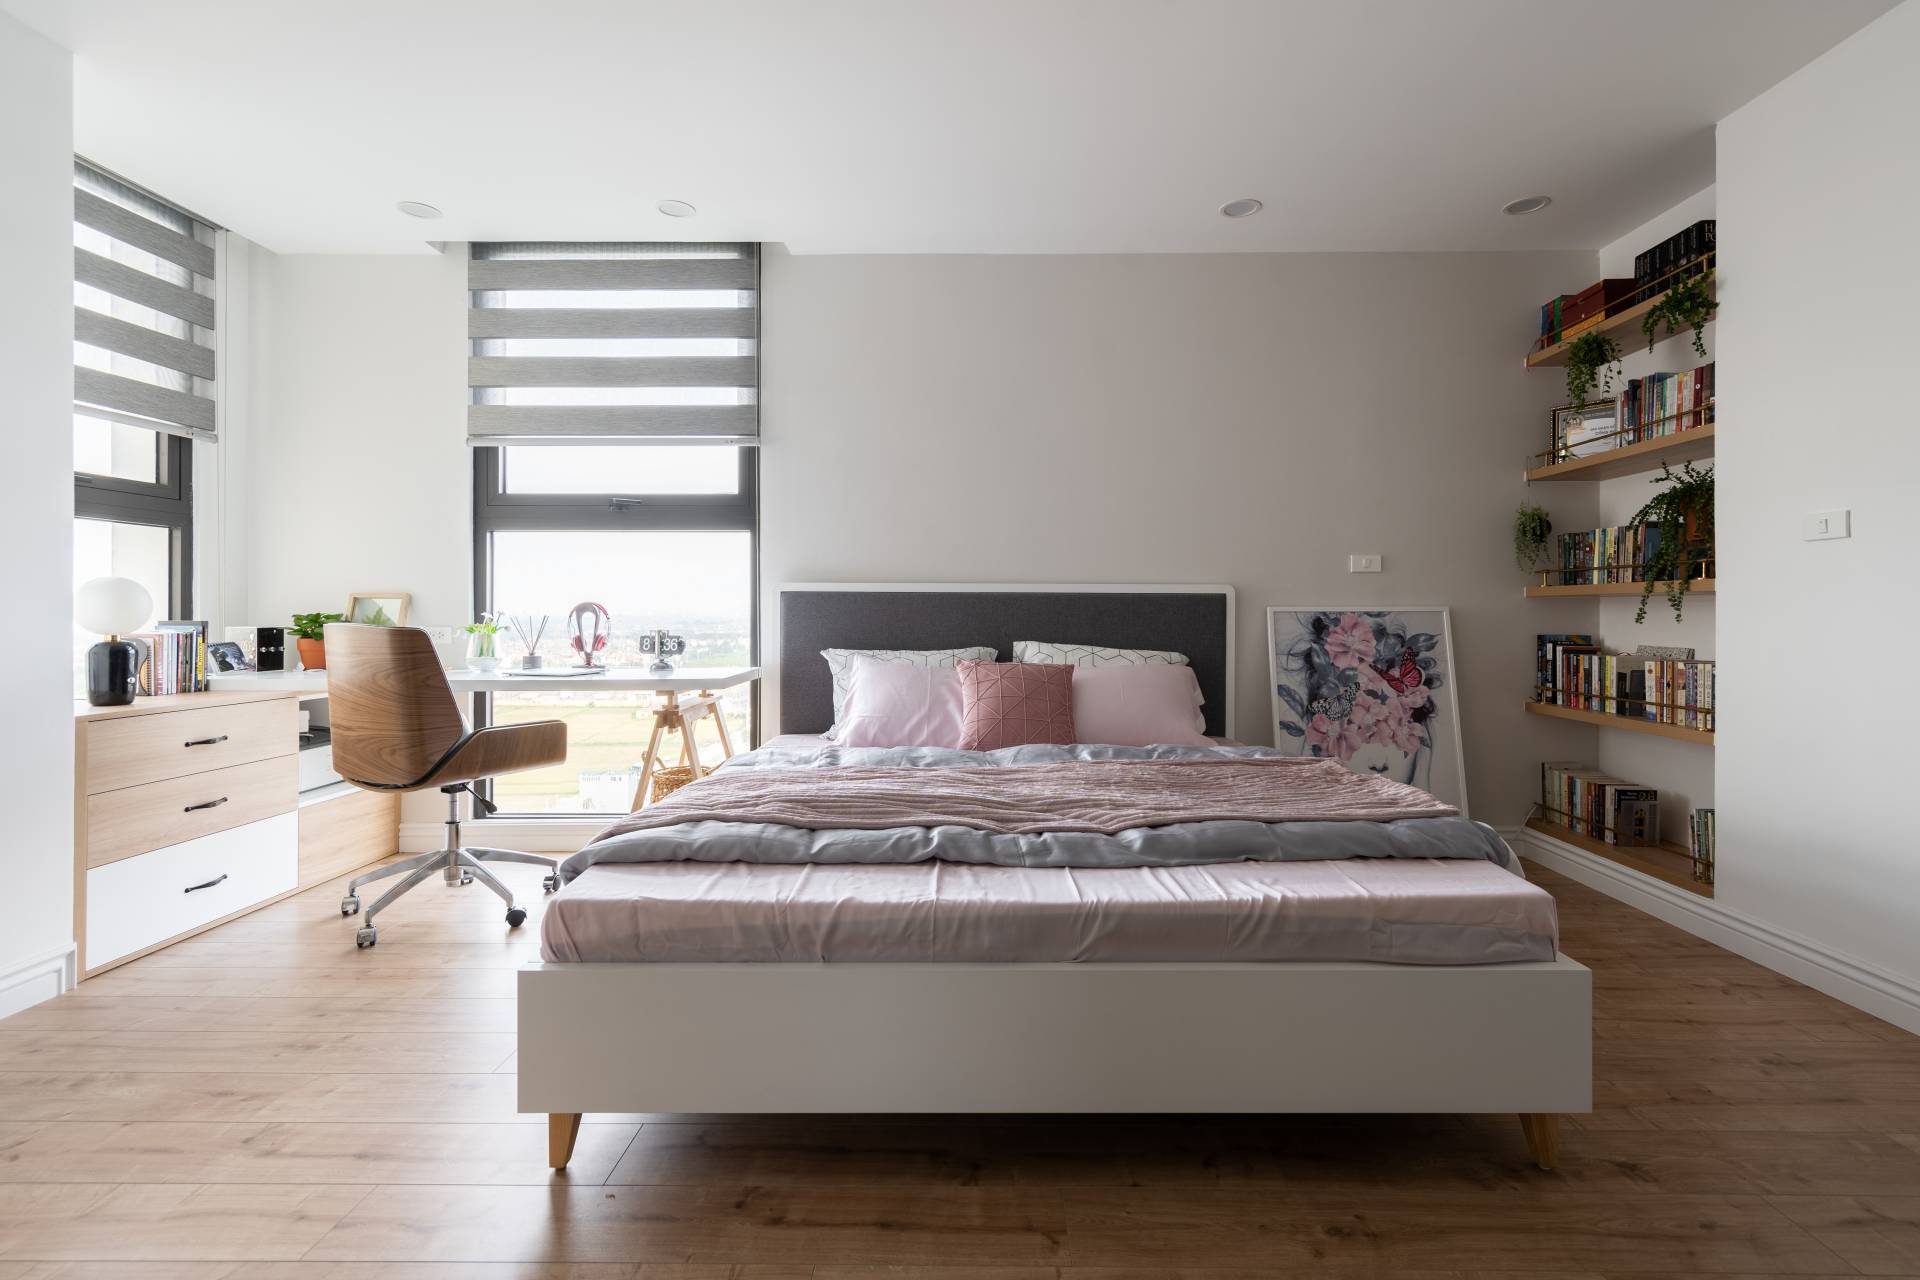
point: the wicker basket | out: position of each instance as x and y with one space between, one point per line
668 779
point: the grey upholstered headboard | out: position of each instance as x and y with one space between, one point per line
1196 621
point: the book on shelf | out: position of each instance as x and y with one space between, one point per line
1700 844
1573 671
1599 805
1665 404
1679 257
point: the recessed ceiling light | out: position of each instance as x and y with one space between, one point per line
1527 204
676 208
1241 208
415 209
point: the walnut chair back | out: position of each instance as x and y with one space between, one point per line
394 715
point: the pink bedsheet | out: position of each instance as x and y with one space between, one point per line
1392 910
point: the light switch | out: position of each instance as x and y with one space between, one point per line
1363 564
1821 525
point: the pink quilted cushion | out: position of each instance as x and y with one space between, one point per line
1012 704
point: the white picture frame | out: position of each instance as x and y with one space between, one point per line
1341 681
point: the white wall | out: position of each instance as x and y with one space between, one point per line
356 474
1819 179
1248 419
36 512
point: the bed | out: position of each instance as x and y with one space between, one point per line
717 971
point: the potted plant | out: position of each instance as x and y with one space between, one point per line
1683 514
309 630
483 652
1530 531
1688 305
1592 358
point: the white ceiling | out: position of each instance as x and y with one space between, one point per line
892 126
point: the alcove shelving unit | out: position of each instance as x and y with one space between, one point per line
1664 861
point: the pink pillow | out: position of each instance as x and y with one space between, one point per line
890 704
1137 706
1012 704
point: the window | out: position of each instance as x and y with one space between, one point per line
143 361
614 418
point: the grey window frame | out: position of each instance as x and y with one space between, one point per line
495 510
167 504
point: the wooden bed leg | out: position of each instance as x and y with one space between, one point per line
562 1128
1543 1138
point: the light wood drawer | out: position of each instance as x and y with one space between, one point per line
137 902
135 819
132 750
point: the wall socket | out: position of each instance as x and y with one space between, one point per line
1363 564
439 635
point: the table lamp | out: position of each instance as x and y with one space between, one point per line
111 607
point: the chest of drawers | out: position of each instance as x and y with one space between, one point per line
185 814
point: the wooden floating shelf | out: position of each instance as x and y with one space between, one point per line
1698 585
1632 724
1633 459
1666 862
1611 326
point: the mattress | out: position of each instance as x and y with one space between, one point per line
1397 911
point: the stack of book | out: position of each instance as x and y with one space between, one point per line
173 658
1599 805
1662 404
1700 844
1666 686
1614 554
1686 253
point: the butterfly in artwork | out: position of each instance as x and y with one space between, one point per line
1409 676
1335 707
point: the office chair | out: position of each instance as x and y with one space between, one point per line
397 727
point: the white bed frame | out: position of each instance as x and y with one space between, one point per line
1122 1038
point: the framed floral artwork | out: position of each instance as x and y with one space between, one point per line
1372 688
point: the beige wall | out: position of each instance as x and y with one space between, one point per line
1248 419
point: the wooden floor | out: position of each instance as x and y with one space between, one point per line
264 1101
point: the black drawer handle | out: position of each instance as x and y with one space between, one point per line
208 885
207 742
205 804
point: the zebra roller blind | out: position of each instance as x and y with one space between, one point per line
143 316
586 343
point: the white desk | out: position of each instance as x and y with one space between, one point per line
680 680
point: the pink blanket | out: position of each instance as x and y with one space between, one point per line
1105 797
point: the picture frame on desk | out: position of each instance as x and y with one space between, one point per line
379 608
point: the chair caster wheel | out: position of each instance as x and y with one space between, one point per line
551 883
516 916
365 938
350 905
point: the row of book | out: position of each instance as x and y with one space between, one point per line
1614 554
1667 685
173 658
1598 805
1662 404
1683 254
1700 844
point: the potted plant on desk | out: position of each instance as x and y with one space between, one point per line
309 631
483 650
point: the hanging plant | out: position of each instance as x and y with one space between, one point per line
1688 305
1591 358
1530 530
1683 513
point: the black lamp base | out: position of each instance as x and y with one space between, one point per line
111 669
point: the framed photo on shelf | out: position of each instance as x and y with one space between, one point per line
1372 688
1579 433
379 608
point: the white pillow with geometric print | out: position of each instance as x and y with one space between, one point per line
1093 655
840 663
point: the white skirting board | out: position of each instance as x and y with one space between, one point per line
34 980
1865 987
1109 1038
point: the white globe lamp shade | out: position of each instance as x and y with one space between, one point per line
111 606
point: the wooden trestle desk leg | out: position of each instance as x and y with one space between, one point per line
562 1128
1543 1138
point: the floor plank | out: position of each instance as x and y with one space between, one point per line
268 1103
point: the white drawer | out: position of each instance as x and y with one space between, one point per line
138 901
